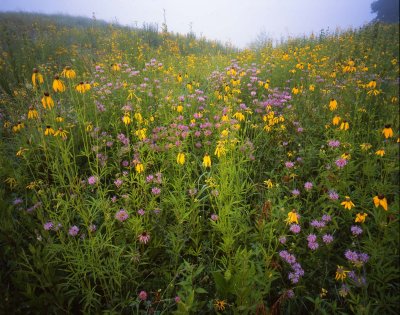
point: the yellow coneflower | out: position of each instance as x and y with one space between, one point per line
179 78
220 305
295 90
341 273
49 131
21 151
347 203
139 167
58 85
220 149
126 119
346 156
224 133
180 159
371 84
115 67
380 152
387 131
206 161
81 87
20 125
360 217
380 200
59 118
344 125
179 108
292 217
47 101
269 183
141 133
266 85
89 127
32 113
365 146
336 120
37 77
61 133
68 73
138 117
311 88
333 104
87 86
374 92
239 116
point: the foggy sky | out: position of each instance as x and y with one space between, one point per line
236 21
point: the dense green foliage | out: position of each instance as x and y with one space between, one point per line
144 172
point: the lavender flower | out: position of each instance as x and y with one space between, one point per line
48 225
73 231
333 195
340 163
121 215
356 230
308 186
334 143
92 180
295 228
327 238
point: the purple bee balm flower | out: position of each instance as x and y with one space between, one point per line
311 238
156 191
334 143
313 245
121 215
289 164
333 195
118 182
282 239
295 192
92 180
326 218
327 238
317 224
350 255
295 228
17 201
363 257
214 217
141 212
290 294
48 225
356 230
308 186
340 163
143 295
73 231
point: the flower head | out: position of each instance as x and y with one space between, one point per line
143 295
73 231
380 200
360 217
387 131
122 215
144 238
341 273
347 203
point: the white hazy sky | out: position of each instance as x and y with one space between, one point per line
235 21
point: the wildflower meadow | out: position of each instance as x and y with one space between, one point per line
147 172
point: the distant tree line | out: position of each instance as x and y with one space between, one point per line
387 11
